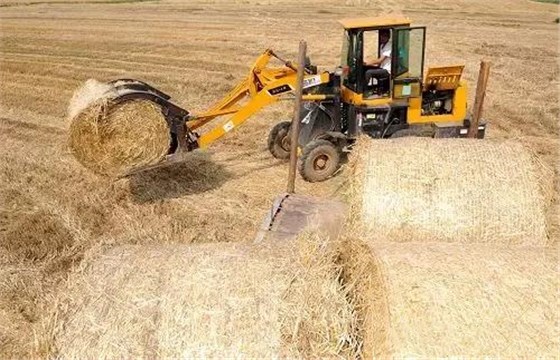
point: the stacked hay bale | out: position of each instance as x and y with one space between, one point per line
448 252
440 300
114 139
208 300
451 190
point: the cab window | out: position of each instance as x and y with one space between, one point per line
409 53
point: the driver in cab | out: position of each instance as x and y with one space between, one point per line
382 65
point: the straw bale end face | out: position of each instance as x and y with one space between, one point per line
114 139
440 300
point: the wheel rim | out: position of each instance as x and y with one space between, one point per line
321 162
285 142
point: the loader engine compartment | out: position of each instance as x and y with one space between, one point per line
437 102
381 122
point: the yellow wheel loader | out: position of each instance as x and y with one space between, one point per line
338 105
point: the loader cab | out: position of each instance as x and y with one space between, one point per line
362 41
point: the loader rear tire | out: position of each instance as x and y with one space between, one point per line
279 140
320 159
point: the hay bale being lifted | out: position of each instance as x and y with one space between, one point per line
115 139
451 190
207 301
440 300
87 94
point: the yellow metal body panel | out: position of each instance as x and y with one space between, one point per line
350 97
459 112
414 90
314 97
374 22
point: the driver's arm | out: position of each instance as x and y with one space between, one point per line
375 62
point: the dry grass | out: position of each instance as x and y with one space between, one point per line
431 300
208 300
196 51
451 190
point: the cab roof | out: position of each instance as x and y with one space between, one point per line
374 22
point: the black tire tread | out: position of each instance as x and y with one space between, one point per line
306 153
273 147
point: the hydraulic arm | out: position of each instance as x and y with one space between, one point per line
263 86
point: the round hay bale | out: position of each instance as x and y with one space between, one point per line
450 190
206 301
116 139
440 300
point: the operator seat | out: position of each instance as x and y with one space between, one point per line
378 82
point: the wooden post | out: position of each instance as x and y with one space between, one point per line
294 136
479 99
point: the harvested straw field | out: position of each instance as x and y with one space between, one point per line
53 210
451 190
435 300
208 300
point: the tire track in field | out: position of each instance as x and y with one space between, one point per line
208 66
26 132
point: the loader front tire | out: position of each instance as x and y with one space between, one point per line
279 140
320 159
